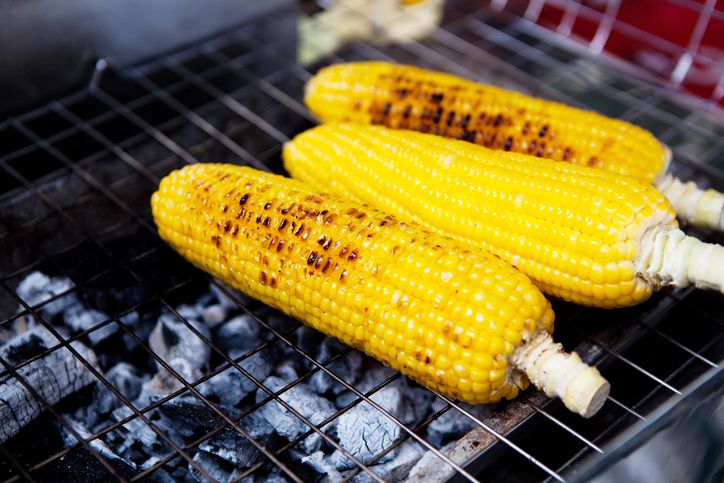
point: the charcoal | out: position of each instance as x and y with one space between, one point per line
189 312
213 315
81 465
408 454
346 368
230 386
215 467
238 335
126 379
77 318
187 418
452 424
371 377
97 444
299 397
29 344
321 464
37 288
53 376
134 430
231 446
184 351
286 372
365 432
228 302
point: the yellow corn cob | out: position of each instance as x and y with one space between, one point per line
405 97
454 318
585 235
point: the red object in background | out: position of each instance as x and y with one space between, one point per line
655 35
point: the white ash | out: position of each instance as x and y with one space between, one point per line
321 464
126 379
300 397
78 319
408 453
231 386
37 288
174 342
53 377
365 432
427 458
238 335
286 372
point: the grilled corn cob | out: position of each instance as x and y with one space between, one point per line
585 235
454 318
406 97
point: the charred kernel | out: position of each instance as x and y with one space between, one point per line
343 252
541 149
467 135
566 154
327 244
352 256
386 109
235 230
532 146
543 131
282 224
326 266
465 121
498 120
342 275
436 98
241 213
299 230
268 205
508 143
438 115
593 161
402 93
311 258
225 209
258 218
280 245
266 222
244 199
319 261
227 226
526 128
284 211
406 112
262 277
273 282
321 240
450 118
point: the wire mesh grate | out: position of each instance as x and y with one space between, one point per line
77 175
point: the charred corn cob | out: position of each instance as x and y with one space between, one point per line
454 318
406 97
587 236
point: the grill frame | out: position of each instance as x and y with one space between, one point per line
604 342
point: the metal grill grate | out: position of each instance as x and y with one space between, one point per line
77 175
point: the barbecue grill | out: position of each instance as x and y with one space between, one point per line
113 309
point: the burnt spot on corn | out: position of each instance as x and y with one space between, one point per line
566 154
311 258
227 226
262 277
543 131
498 120
525 129
244 199
436 97
593 161
216 240
352 256
386 109
282 224
438 114
450 118
273 282
406 112
508 143
267 205
465 121
266 221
